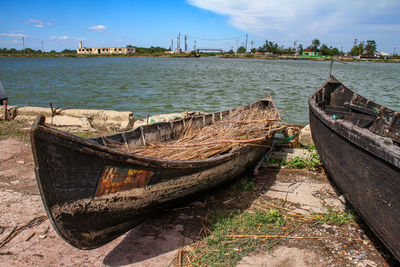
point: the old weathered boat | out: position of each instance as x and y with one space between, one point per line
94 192
358 142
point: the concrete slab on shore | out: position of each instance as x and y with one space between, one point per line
87 120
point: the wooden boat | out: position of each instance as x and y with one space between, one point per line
93 192
358 142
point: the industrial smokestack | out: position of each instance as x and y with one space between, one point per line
80 44
186 48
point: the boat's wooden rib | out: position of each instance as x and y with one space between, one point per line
362 158
93 192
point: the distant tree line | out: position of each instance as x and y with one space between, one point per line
367 48
150 50
13 51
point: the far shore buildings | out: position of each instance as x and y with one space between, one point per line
308 52
105 50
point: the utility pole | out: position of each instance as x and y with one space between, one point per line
235 47
172 44
246 42
23 44
42 47
252 43
194 46
186 48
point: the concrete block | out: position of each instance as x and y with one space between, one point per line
305 137
33 111
68 121
291 153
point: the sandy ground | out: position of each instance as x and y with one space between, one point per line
27 237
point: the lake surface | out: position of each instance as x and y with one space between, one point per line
165 85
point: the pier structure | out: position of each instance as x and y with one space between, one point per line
209 50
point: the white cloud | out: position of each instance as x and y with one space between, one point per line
300 19
38 23
60 38
10 41
98 28
65 37
13 35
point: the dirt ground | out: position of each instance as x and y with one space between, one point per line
27 238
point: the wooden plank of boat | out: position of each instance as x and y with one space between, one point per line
364 163
94 192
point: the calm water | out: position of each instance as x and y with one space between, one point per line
164 85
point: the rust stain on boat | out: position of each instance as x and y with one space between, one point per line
117 179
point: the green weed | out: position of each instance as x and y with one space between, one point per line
335 217
312 162
231 238
244 185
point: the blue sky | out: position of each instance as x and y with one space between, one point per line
61 24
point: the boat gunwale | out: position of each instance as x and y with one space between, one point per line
382 147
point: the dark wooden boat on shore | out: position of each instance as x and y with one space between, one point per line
94 192
358 142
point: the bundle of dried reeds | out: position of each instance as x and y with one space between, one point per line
241 127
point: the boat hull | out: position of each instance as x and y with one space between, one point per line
370 183
88 222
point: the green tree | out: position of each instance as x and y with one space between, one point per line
361 48
325 50
370 48
241 50
315 44
301 49
355 51
269 47
335 51
68 51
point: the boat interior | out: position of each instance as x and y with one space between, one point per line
341 103
169 131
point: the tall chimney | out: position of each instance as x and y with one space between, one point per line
80 44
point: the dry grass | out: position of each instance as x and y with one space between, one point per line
241 127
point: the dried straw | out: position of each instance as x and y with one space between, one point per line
242 127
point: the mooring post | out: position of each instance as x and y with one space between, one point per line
5 110
52 112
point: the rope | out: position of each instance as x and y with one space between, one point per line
284 140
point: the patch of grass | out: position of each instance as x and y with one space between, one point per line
243 185
231 238
312 162
232 235
336 217
14 128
